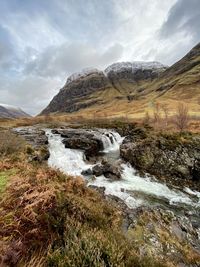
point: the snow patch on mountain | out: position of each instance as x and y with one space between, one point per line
134 66
9 111
10 107
81 74
117 67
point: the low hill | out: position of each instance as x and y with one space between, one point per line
8 111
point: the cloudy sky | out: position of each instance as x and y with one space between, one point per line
44 41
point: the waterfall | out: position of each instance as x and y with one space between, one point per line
132 189
111 141
70 161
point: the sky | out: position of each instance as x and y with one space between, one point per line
42 42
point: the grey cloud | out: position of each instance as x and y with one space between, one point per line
66 59
41 42
8 57
77 20
180 32
33 89
31 93
183 17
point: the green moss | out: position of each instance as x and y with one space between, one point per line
3 181
4 178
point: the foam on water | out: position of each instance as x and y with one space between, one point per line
132 183
111 141
70 161
193 193
132 189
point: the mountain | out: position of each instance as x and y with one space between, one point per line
8 111
130 87
90 87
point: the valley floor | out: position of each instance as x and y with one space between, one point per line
48 218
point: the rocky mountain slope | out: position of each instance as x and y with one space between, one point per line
8 111
130 87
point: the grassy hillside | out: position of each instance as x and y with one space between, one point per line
180 82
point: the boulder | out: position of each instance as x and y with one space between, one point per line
109 170
196 171
89 142
165 155
37 142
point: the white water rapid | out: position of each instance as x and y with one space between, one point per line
111 141
70 161
132 189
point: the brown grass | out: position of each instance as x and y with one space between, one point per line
10 143
50 219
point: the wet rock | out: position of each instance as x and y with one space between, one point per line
34 136
90 142
109 170
98 170
87 172
196 171
165 155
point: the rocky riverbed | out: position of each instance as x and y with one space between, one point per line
173 157
161 212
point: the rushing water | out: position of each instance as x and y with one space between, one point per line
132 189
70 161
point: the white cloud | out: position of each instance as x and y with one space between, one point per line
41 42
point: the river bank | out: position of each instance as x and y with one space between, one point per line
174 210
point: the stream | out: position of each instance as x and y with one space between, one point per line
134 190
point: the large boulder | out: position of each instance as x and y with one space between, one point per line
109 170
165 155
37 142
89 142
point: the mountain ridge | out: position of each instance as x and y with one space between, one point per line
83 84
9 111
130 87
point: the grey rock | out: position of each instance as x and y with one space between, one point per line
164 156
89 142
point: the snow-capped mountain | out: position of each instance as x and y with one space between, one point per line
76 93
82 74
9 111
126 87
134 66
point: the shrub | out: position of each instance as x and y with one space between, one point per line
10 143
182 117
147 118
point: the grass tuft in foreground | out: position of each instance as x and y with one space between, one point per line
55 220
50 219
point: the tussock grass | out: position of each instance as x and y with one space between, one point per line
10 143
50 219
